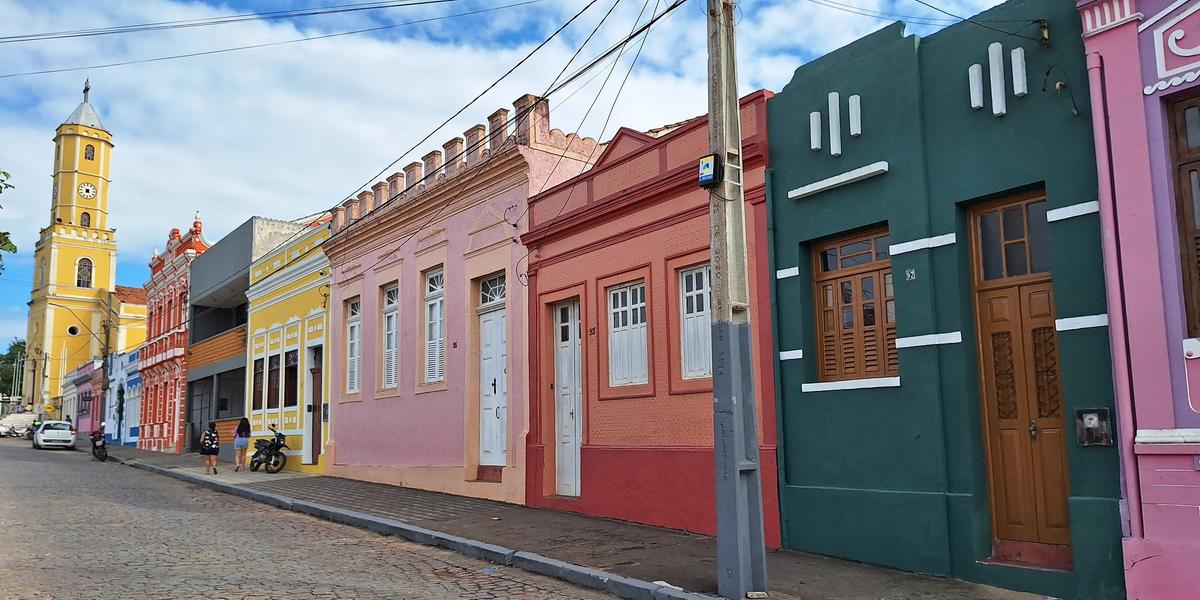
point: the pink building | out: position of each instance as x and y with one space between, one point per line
1143 65
428 313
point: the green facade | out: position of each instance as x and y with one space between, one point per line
897 476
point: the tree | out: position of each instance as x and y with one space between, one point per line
9 366
6 244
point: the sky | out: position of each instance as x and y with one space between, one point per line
290 130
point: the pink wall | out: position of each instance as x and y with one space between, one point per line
458 218
1156 417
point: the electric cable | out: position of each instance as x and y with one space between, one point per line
211 21
265 44
979 24
523 278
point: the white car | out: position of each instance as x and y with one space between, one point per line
52 434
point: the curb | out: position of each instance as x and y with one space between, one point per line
617 585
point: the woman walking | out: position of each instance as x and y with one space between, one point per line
241 442
210 446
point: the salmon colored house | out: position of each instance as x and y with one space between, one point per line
621 397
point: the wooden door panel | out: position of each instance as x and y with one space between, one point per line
1002 364
1051 460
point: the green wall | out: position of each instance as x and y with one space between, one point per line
896 476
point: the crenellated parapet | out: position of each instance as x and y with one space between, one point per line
526 126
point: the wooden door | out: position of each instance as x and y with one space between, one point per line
493 388
568 398
1021 387
315 417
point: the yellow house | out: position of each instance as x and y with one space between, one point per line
77 312
289 296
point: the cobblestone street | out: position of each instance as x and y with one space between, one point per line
71 527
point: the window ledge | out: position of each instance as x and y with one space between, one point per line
437 386
851 384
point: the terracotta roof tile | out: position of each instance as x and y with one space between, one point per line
131 295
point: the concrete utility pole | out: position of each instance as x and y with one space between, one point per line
741 547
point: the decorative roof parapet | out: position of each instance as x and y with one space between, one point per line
529 128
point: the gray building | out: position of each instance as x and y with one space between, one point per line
216 373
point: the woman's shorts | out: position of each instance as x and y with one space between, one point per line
209 451
239 443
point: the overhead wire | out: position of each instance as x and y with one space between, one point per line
526 114
523 277
267 44
979 23
220 20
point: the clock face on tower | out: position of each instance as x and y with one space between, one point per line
87 190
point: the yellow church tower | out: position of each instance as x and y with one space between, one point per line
77 312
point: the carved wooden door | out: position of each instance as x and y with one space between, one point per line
1019 364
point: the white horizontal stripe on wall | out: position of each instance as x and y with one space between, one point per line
932 339
785 273
923 243
853 384
837 181
1085 322
1074 210
791 354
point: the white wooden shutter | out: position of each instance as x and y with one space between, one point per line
352 357
627 335
695 343
389 350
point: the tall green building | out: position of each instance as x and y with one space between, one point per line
944 369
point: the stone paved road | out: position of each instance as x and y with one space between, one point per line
74 528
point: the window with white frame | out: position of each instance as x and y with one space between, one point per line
491 290
627 334
435 321
353 345
391 304
695 324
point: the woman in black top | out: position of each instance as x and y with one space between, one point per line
210 446
241 443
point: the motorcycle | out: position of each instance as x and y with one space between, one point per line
270 452
99 447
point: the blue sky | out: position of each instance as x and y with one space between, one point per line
290 130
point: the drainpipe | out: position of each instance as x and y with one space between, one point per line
1114 290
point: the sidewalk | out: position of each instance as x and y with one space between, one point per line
642 558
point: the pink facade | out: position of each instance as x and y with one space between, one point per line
163 367
1143 61
426 263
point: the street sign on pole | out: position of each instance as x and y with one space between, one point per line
741 545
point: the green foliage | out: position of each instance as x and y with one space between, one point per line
8 365
6 244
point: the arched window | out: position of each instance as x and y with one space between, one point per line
83 273
89 152
41 272
85 220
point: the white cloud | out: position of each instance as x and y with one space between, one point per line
289 130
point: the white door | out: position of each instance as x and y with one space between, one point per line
493 388
568 397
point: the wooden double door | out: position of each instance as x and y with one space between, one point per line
1021 387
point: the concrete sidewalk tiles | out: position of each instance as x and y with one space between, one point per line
628 560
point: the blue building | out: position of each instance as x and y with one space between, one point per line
123 400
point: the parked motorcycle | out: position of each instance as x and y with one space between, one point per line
270 452
99 447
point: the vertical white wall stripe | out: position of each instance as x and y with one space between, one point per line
835 124
1108 13
996 74
975 75
1128 8
855 115
1020 81
814 130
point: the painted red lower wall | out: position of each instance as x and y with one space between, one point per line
665 487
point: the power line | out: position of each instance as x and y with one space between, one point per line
522 278
579 73
211 21
525 114
979 24
266 44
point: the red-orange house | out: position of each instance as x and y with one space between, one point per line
621 403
